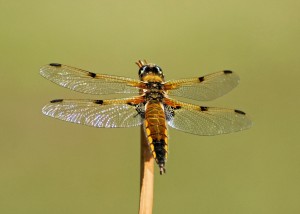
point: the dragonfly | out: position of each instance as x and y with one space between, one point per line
151 105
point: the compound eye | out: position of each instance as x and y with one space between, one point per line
142 70
159 70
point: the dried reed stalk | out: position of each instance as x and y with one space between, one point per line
146 177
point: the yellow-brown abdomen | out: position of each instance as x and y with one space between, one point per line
156 132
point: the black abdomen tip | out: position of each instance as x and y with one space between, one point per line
162 169
55 64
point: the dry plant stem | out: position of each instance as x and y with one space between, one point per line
147 177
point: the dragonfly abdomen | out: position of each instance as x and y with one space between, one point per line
156 132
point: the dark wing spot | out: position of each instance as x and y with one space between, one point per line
203 108
91 74
98 102
177 107
55 64
227 72
201 79
239 112
56 101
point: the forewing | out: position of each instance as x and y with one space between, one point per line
88 82
201 120
204 88
97 113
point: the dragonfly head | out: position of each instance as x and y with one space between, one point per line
149 69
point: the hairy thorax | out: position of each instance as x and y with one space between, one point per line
154 88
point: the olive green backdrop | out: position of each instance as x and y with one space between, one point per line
51 166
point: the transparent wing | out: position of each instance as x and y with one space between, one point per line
97 113
88 82
203 88
201 120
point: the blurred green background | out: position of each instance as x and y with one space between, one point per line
51 166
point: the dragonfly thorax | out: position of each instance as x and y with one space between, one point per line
154 86
154 91
154 96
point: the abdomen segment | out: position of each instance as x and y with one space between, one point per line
156 132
